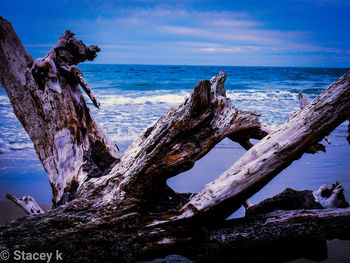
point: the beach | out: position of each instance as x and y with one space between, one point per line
134 96
9 211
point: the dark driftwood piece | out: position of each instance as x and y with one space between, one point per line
118 207
291 199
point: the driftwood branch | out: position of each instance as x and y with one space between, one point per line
272 154
303 101
27 203
118 207
173 144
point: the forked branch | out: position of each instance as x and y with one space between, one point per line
272 154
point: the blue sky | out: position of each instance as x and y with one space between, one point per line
312 33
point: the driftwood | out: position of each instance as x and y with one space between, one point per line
291 199
49 104
303 101
117 207
27 203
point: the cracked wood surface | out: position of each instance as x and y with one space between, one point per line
272 154
175 142
49 104
27 203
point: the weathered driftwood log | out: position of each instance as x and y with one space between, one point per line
173 145
303 101
102 235
331 198
27 203
117 207
291 199
49 104
237 238
272 154
78 155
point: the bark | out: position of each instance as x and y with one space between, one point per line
289 199
274 237
117 207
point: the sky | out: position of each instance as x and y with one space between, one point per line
307 33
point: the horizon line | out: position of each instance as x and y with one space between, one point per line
198 65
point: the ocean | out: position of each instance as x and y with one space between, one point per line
134 96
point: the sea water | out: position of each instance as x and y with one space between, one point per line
134 96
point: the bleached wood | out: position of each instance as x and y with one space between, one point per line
331 198
175 142
50 105
272 154
27 203
304 101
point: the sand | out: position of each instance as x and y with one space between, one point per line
309 172
10 211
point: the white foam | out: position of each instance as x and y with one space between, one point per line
125 114
108 100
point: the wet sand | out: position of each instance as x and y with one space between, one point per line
309 172
10 211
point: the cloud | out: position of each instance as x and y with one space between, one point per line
234 23
239 35
238 49
230 27
176 32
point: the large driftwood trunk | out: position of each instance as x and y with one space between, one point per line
118 207
48 102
